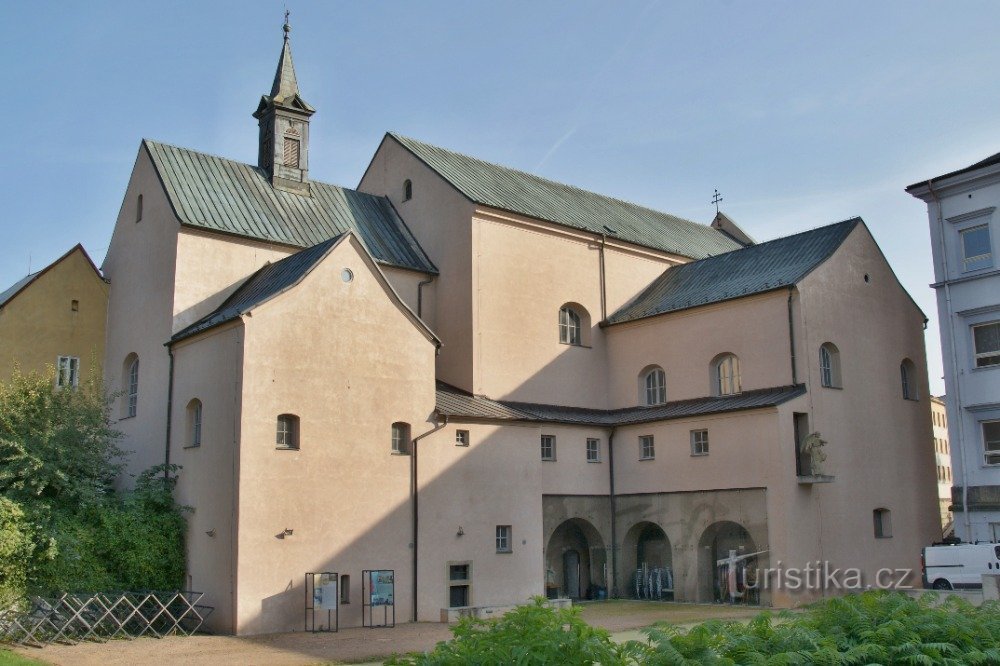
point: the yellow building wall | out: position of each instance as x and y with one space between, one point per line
39 324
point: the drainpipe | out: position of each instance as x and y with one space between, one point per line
791 335
604 289
614 519
413 504
170 405
420 295
954 364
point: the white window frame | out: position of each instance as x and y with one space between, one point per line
980 261
287 432
504 535
908 380
67 371
570 327
400 438
593 450
829 365
699 442
647 447
655 382
462 438
991 448
986 355
548 448
727 375
195 433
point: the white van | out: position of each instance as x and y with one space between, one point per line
959 566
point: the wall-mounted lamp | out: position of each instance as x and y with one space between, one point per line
460 531
211 532
285 532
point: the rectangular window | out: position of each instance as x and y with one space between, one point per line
803 464
883 523
699 443
459 584
593 450
67 371
991 442
461 438
503 539
291 156
646 448
977 251
345 589
548 447
986 338
74 305
401 439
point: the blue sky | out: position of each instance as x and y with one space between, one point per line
799 113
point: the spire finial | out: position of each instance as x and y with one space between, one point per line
287 28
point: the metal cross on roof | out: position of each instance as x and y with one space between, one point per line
716 198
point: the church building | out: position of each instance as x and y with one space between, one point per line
498 386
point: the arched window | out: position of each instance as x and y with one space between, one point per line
908 379
726 375
883 523
829 365
407 189
194 423
138 208
287 434
574 325
401 438
130 386
652 386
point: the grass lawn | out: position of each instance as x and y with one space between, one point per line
8 658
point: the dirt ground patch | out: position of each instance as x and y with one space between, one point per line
348 645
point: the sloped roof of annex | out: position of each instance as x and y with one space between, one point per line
274 279
506 189
456 403
230 197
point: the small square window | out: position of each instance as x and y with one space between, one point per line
699 442
503 539
461 438
287 436
593 450
74 305
883 523
646 448
458 572
548 447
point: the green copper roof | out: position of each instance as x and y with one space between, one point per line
519 192
751 270
231 197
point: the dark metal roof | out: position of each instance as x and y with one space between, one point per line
269 281
751 270
222 195
454 402
8 294
992 160
519 192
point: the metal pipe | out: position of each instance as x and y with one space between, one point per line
954 364
614 519
414 504
170 406
604 288
791 336
420 295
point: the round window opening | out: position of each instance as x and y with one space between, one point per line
346 275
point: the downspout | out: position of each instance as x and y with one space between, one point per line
614 520
413 504
420 295
604 288
170 405
791 336
954 363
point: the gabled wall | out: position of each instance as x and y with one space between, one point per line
38 324
347 361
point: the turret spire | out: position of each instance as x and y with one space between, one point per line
283 117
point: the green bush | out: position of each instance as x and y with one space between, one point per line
63 528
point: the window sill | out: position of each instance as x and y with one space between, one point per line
980 368
835 388
649 458
286 448
594 462
398 453
548 459
191 446
505 552
570 344
912 399
884 537
699 455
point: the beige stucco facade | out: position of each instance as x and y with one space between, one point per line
58 312
350 354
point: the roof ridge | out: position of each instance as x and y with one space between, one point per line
577 188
